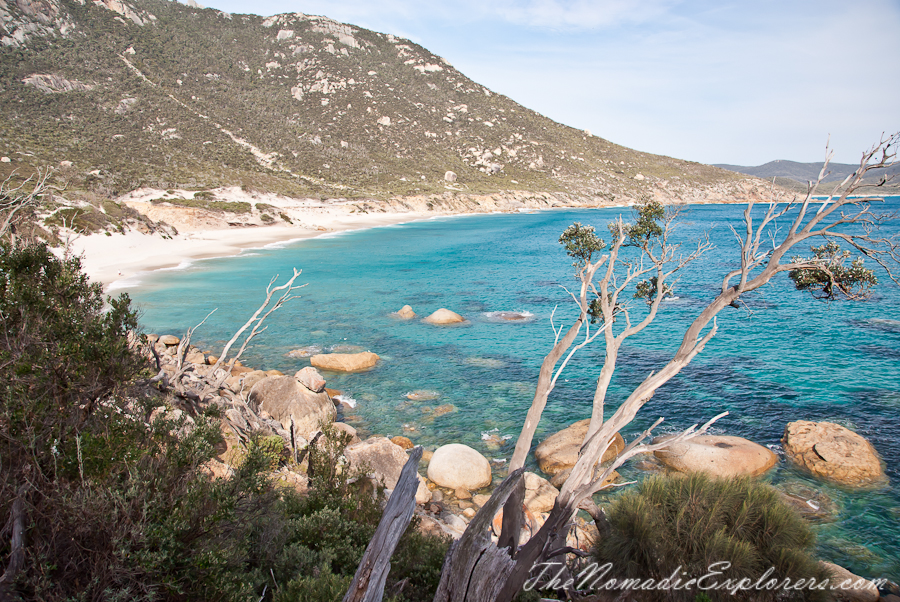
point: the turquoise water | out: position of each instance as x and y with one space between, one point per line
787 358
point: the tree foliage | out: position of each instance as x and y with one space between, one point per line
581 243
833 273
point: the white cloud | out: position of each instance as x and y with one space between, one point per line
576 14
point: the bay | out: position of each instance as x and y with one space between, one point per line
783 357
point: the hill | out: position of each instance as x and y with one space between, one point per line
795 175
151 93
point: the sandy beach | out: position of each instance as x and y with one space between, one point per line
118 259
113 260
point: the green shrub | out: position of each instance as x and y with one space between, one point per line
122 509
688 522
61 354
324 586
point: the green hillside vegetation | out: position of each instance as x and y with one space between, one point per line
298 105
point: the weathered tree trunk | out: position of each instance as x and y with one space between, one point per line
17 547
368 582
475 569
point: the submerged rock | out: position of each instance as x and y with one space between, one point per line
833 452
345 362
717 455
307 351
812 504
422 395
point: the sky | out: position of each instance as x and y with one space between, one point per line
742 82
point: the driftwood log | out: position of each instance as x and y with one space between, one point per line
368 582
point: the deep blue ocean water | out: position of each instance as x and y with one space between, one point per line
786 357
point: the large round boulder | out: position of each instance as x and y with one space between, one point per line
444 316
287 400
560 450
456 465
717 455
344 362
833 452
384 461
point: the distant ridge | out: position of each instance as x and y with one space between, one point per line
791 173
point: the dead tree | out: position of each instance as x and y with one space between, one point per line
642 258
255 324
17 197
368 582
276 296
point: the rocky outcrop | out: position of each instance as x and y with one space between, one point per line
539 493
406 312
833 452
560 450
717 455
849 587
444 316
456 465
344 362
343 427
288 401
310 378
384 461
50 83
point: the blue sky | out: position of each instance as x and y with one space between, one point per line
715 82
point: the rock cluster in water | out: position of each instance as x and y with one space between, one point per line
458 477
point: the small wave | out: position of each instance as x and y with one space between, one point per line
130 282
345 348
493 435
185 264
346 400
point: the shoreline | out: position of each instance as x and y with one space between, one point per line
116 259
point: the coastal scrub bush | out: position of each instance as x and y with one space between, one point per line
61 354
121 507
683 524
